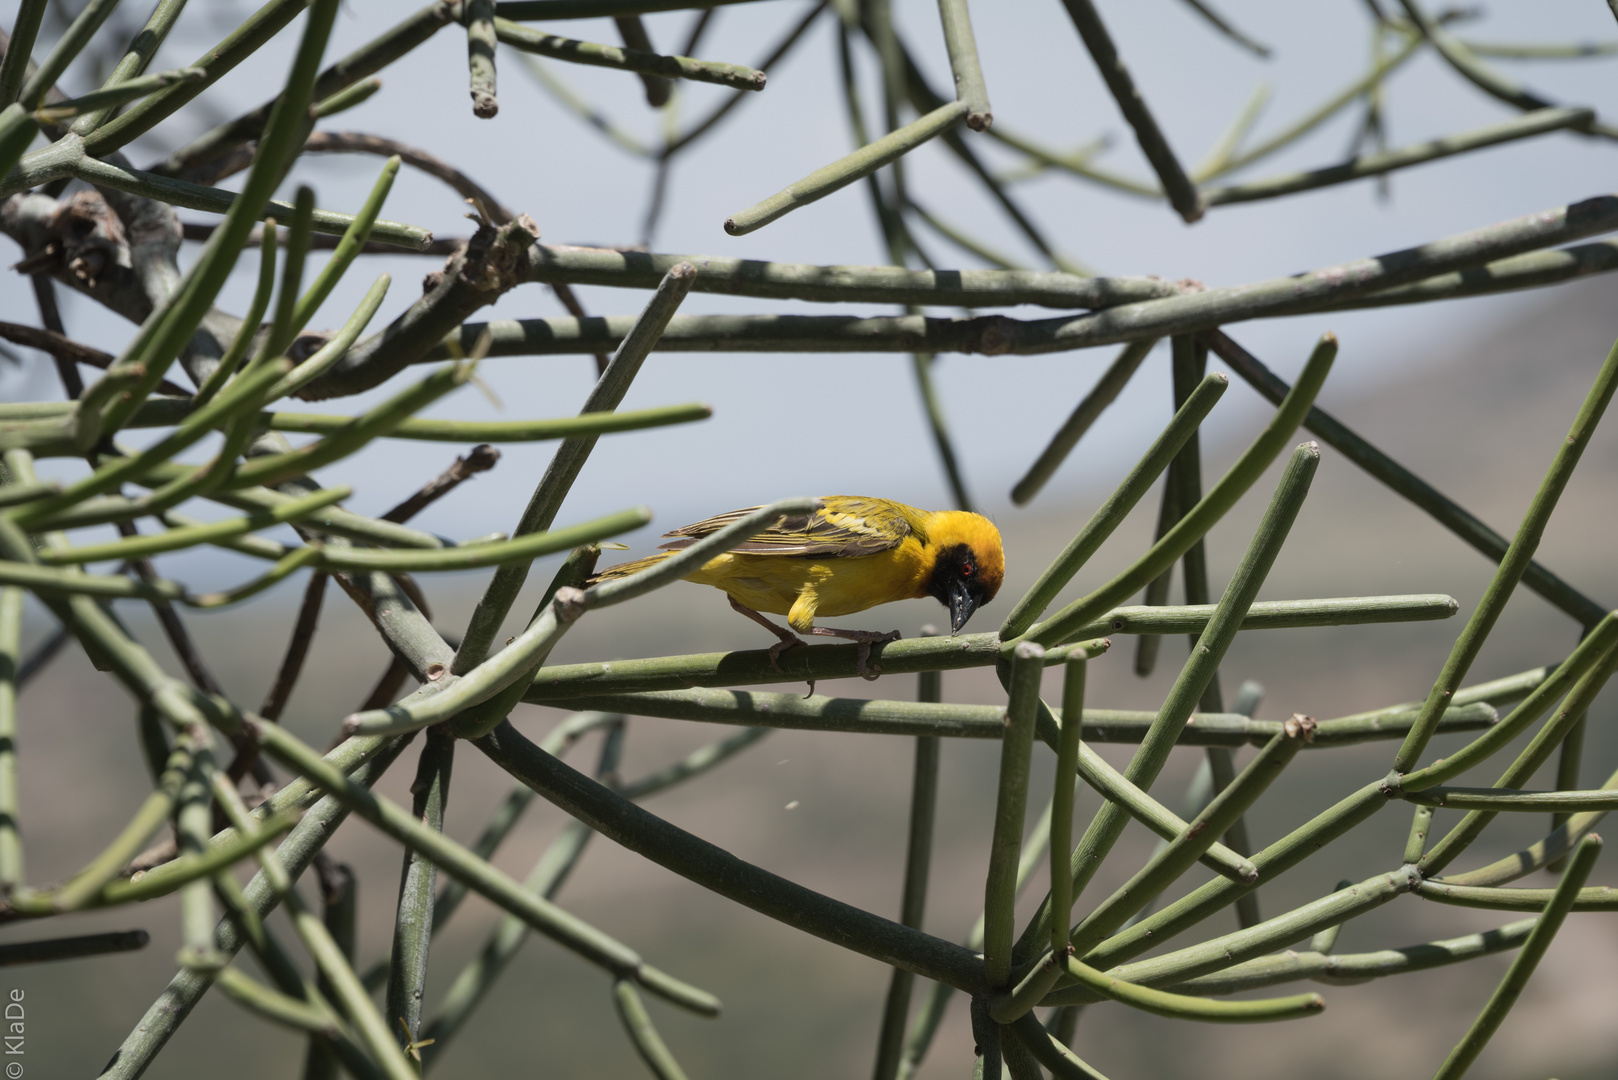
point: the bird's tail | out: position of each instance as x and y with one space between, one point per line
623 570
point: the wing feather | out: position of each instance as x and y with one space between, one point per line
843 526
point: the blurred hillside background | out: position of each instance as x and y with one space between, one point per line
1472 395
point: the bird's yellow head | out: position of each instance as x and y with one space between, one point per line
968 563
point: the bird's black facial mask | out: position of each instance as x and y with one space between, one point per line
954 583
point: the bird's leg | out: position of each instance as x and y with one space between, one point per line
865 638
787 637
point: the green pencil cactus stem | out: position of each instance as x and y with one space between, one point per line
187 410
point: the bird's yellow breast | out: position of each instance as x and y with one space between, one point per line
801 588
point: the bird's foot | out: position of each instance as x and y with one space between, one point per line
786 638
864 639
787 641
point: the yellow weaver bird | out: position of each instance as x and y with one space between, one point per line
850 554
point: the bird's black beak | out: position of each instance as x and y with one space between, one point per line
961 606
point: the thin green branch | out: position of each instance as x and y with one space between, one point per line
481 38
735 76
1384 468
136 547
844 284
643 1034
104 100
11 850
1466 64
1198 670
1196 521
845 171
1538 122
1068 748
1590 654
713 868
1522 967
1475 798
1347 969
20 48
1011 803
251 324
1085 414
1110 514
1051 1052
962 47
1533 757
1167 865
918 864
414 913
564 928
1553 848
65 51
638 341
1182 193
50 950
1327 109
816 662
1515 561
1186 1007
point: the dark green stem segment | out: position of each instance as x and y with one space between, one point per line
1050 1051
1197 520
49 950
1067 763
562 927
1181 191
718 870
1110 514
413 918
1088 410
1445 511
1199 669
545 880
11 851
1538 122
176 1001
501 593
30 13
1350 968
1011 805
1185 1007
1467 64
1532 270
918 865
1476 798
1522 966
994 335
569 682
1532 758
1168 864
753 708
843 284
1514 564
735 76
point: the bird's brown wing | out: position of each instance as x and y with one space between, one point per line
843 526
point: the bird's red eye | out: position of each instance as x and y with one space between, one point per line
966 571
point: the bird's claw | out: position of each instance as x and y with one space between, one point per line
781 646
863 639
